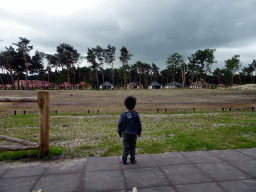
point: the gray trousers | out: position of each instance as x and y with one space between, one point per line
129 142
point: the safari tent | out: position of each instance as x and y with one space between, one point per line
173 85
106 85
155 85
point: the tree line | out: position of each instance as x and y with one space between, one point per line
17 64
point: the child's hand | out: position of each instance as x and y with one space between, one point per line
138 135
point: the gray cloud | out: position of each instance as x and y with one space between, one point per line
151 30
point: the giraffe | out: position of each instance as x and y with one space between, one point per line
199 84
130 86
204 82
140 85
193 84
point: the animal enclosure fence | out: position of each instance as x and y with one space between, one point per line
43 101
56 111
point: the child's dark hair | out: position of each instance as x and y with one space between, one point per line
130 102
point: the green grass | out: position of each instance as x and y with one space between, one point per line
97 136
29 154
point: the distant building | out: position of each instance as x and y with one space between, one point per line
32 84
173 85
155 85
106 85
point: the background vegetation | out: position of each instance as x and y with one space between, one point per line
63 66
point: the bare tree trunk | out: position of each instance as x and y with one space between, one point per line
184 75
10 68
18 81
102 71
102 74
26 76
1 82
48 75
96 74
8 79
68 72
113 77
55 76
129 74
74 79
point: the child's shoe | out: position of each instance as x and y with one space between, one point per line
133 161
121 161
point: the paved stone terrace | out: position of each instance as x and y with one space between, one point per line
212 171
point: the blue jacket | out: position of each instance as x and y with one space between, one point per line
129 123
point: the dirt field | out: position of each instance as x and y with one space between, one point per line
80 101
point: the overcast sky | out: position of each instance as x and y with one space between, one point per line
151 30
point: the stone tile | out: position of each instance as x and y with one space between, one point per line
165 159
241 185
20 163
230 155
102 163
59 183
185 174
20 184
141 161
73 166
222 171
202 187
247 166
25 171
250 152
103 181
145 177
157 189
3 167
201 157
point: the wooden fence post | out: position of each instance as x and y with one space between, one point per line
43 100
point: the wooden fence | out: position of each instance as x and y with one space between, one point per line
43 101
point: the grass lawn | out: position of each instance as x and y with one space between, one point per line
80 135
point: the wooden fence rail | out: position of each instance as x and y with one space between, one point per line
43 101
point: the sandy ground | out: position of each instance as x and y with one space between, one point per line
81 101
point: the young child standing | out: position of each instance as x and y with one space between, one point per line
129 126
